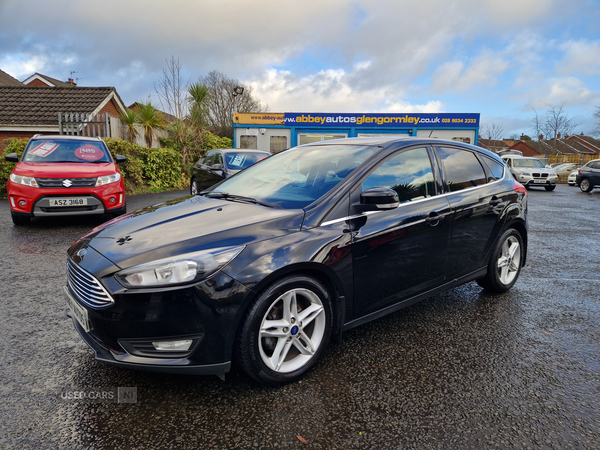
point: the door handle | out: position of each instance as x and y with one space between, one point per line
495 201
434 218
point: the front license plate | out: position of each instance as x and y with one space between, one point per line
78 311
72 201
540 181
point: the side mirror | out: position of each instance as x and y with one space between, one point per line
378 199
216 168
11 157
121 159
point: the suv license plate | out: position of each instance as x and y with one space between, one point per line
79 312
540 181
72 201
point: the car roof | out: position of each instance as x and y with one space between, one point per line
236 150
38 137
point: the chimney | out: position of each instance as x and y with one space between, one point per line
71 81
522 136
558 135
541 137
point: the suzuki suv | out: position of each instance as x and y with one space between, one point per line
65 176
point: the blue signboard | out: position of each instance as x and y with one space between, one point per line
413 120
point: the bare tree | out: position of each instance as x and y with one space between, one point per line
172 90
221 102
555 124
494 132
596 130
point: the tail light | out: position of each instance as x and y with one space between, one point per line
518 187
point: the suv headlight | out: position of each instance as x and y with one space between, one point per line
26 181
107 179
180 269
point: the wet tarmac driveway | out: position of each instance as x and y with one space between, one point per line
464 369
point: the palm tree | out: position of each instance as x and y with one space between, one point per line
198 93
150 119
129 118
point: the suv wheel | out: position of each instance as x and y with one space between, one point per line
585 185
19 220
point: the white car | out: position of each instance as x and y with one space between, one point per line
572 176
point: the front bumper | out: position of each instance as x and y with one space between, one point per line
207 313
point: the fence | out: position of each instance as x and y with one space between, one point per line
84 124
576 159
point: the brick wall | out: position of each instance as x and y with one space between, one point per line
37 82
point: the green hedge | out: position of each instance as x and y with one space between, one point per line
146 170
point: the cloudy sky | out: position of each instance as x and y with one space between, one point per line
500 58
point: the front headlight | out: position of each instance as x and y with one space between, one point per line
107 179
180 269
26 181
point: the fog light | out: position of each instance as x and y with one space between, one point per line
22 202
112 199
173 346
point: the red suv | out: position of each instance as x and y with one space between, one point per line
65 176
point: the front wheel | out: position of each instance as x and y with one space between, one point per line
193 187
286 330
585 185
19 220
506 262
550 188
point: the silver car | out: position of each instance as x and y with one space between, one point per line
531 172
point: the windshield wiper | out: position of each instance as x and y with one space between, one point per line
237 198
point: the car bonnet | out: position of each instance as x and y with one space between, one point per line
188 225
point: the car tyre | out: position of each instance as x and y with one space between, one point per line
505 264
193 187
585 185
550 188
286 330
20 220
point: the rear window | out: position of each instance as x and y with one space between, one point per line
241 160
66 150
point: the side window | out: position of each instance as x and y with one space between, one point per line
462 169
496 169
408 173
218 159
207 159
249 141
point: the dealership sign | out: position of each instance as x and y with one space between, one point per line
417 120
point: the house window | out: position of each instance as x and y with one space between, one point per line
309 138
278 144
248 141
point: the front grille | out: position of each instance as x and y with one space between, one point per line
86 287
60 209
54 183
540 175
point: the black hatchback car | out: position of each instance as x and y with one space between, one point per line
588 176
270 265
222 163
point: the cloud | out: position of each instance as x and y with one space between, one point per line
581 56
568 90
456 76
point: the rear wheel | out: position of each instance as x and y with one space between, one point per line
286 330
585 185
506 262
550 188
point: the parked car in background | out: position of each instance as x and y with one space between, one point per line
65 176
572 176
588 176
217 165
531 172
269 265
565 169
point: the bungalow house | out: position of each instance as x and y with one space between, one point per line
29 110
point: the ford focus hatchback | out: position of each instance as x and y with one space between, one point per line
270 265
65 176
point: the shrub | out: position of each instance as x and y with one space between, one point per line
14 146
163 168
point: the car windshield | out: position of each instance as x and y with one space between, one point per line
241 160
296 177
526 162
66 150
